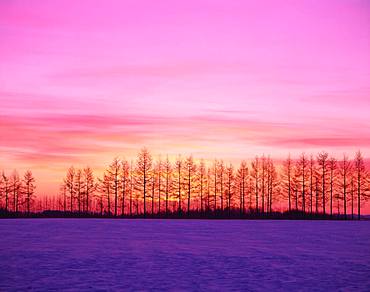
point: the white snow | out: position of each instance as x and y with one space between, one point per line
104 254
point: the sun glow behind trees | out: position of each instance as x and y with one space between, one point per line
148 187
185 185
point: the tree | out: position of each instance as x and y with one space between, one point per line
287 176
63 192
263 179
215 184
16 185
105 190
69 183
322 161
78 188
202 177
168 183
230 182
344 170
332 170
178 181
190 168
302 165
153 184
159 183
312 174
221 174
114 171
242 176
296 186
90 186
317 194
271 183
124 179
208 182
131 186
352 197
6 190
29 189
144 170
254 174
360 173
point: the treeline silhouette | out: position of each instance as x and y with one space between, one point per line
307 187
17 194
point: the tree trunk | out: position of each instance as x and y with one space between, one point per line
345 197
323 188
358 195
352 190
144 190
331 193
317 197
189 190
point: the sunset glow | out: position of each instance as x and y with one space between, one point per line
83 82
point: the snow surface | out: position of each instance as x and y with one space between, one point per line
103 254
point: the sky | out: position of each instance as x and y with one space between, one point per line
84 81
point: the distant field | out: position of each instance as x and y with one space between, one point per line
62 254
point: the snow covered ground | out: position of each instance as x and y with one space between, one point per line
81 254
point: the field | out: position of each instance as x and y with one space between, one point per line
218 255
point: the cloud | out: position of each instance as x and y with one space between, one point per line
324 142
73 137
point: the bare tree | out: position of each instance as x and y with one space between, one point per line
230 182
69 182
302 165
221 174
79 188
317 194
271 183
168 183
144 171
360 173
242 176
254 174
16 185
263 179
105 190
29 189
344 170
287 177
215 164
63 192
312 174
296 186
6 190
89 184
131 186
159 183
190 167
201 179
332 170
153 185
208 189
124 179
322 161
178 181
352 196
114 172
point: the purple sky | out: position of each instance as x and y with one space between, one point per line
84 81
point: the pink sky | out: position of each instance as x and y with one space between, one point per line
84 81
